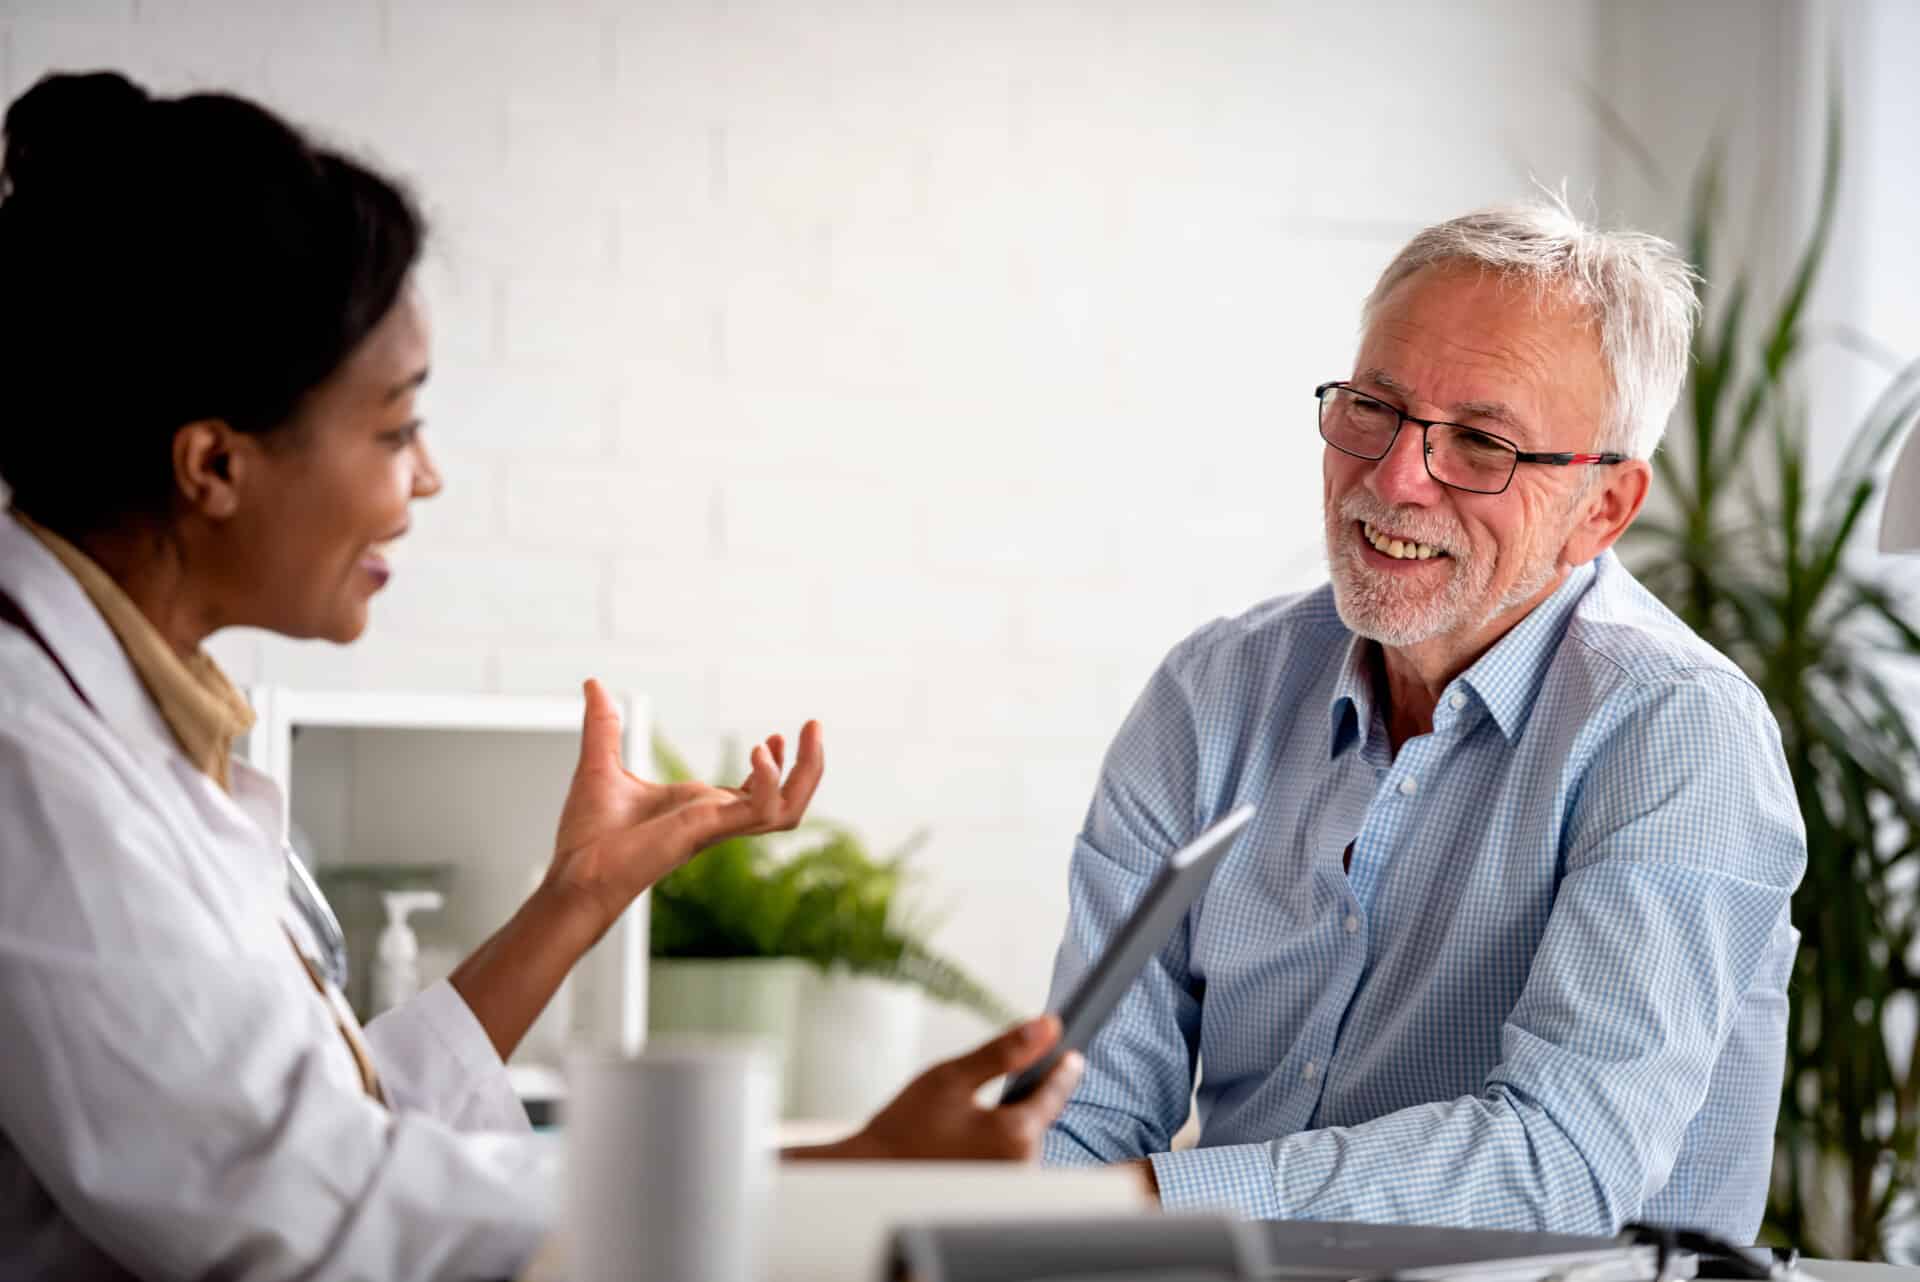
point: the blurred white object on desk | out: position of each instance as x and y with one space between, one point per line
832 1220
669 1161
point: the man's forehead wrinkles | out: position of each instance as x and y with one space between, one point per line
1521 360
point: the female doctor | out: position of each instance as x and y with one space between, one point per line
210 354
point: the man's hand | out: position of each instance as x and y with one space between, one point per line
619 833
935 1117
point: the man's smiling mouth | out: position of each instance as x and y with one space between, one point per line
1401 549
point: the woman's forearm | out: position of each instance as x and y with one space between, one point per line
509 980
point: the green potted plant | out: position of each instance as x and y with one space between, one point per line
1769 567
808 942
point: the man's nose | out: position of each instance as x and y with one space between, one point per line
1402 477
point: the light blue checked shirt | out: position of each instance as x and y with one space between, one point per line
1551 993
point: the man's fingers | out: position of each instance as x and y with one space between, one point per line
1010 1052
599 728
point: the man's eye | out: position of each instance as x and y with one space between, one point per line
1371 411
401 437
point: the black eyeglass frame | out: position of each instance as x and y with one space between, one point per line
1548 459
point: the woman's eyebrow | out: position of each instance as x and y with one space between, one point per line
406 385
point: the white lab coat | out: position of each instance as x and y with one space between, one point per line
175 1099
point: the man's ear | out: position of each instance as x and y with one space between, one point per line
1609 510
208 465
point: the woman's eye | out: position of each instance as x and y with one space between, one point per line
401 437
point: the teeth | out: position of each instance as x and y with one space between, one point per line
1400 548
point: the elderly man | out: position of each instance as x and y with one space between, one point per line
1508 942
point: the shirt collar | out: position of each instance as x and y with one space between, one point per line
1504 679
1352 711
1507 677
206 714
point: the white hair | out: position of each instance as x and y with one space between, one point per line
1638 289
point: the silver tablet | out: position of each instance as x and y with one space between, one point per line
1159 911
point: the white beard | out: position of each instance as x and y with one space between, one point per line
1386 608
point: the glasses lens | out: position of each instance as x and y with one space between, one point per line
1357 424
1471 460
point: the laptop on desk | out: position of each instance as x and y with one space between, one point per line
1156 1248
1417 1253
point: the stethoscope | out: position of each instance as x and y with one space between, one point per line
321 923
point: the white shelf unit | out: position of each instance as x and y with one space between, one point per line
472 781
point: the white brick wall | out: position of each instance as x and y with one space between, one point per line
926 367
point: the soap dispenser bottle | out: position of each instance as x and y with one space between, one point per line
396 972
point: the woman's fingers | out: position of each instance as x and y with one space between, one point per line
1036 1112
599 729
1011 1051
807 770
781 806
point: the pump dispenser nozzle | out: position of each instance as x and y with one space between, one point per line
396 973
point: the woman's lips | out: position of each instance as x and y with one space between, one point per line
376 567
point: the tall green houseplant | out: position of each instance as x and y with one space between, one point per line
1775 570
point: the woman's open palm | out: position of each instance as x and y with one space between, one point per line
620 833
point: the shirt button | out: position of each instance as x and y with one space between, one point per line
1353 924
1311 1071
1458 702
1408 786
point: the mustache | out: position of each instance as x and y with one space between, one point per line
1421 527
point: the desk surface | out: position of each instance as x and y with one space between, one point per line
1855 1271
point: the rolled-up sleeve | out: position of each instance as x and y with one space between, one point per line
433 1056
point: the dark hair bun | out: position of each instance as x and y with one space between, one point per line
74 128
166 261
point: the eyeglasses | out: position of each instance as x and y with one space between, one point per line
1465 458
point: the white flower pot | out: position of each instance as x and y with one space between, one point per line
738 996
856 1042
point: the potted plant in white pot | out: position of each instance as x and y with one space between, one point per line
805 942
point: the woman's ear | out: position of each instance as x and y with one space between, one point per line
208 466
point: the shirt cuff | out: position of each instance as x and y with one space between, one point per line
433 1055
1236 1178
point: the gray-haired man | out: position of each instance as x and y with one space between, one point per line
1508 943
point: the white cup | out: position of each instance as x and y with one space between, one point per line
670 1162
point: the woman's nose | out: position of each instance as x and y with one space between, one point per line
426 476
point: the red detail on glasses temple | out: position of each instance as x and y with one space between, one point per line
1589 458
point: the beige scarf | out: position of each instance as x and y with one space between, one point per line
203 709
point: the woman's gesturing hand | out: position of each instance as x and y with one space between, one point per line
619 833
